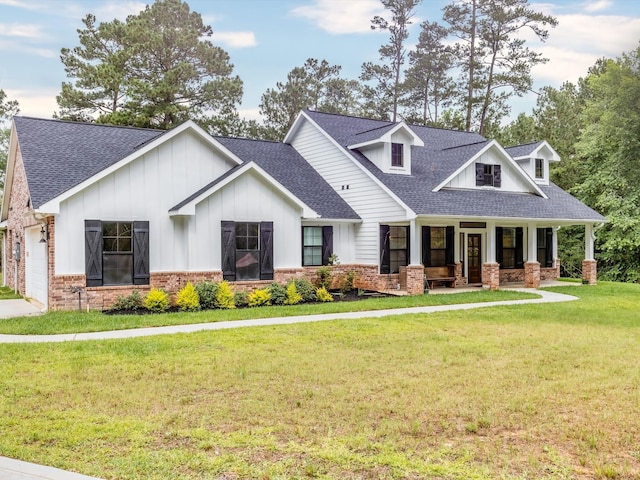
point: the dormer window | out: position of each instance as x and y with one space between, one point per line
488 175
397 154
539 168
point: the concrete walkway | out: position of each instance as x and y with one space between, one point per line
545 297
18 308
18 470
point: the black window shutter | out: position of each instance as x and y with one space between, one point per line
228 251
499 257
327 244
519 248
93 252
426 246
266 250
450 246
497 176
141 253
479 174
549 250
384 249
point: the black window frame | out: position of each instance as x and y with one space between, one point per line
390 258
397 155
516 251
488 175
544 254
96 256
428 258
325 247
230 251
539 168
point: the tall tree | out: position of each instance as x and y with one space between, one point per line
99 65
155 70
387 77
316 85
492 54
428 86
8 108
609 149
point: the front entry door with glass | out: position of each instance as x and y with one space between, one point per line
474 258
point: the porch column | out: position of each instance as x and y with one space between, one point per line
589 267
491 269
532 266
414 246
415 270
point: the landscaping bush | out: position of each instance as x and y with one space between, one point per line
293 297
324 277
156 300
129 303
241 299
346 281
224 296
187 299
260 297
207 292
323 295
278 293
306 289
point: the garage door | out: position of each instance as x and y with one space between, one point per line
36 266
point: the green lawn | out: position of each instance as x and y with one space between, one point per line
6 293
94 321
548 391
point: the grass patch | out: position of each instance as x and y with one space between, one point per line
545 391
94 321
6 293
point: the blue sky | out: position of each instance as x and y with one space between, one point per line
267 38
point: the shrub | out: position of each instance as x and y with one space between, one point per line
131 302
156 300
241 299
224 296
325 278
260 297
278 293
293 296
304 288
187 299
346 281
207 292
322 295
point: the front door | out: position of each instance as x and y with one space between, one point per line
474 258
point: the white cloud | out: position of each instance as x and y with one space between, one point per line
339 17
118 9
597 6
11 46
35 103
22 30
250 113
579 40
235 39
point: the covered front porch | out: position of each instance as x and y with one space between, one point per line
473 252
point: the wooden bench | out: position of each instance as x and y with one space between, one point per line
440 275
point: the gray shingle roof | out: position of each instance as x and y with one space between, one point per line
285 164
444 152
523 150
59 155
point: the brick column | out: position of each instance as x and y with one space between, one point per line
415 279
532 275
491 276
589 272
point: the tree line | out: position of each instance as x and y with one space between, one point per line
160 68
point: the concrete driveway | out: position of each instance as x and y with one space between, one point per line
17 308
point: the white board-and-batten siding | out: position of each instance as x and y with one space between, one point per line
356 187
512 180
146 188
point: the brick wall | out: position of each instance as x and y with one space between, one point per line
589 272
532 274
491 275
